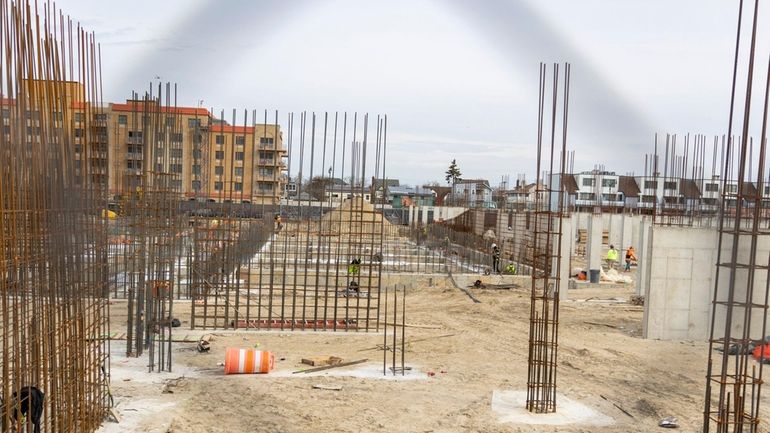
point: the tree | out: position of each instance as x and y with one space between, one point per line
317 187
453 173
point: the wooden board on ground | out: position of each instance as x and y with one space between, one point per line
317 361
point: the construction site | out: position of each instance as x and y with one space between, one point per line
158 276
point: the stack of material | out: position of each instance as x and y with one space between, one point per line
354 215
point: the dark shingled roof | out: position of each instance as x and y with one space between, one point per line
570 183
628 186
689 189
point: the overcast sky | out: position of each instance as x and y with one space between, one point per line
457 78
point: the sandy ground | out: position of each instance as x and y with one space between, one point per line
603 364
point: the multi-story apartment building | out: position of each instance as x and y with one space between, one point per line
605 190
79 121
212 161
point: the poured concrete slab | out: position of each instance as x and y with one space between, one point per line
510 408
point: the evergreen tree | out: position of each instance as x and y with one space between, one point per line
453 173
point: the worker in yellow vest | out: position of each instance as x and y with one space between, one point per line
612 257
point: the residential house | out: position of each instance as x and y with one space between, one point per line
473 193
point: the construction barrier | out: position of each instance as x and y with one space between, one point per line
247 361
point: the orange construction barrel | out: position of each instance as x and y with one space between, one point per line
247 361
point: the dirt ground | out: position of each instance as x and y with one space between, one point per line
474 350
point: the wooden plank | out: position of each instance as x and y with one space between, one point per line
322 360
327 367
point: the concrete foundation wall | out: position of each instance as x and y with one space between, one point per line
679 286
679 264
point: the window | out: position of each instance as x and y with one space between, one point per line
135 134
159 167
7 113
219 170
240 140
712 187
610 197
265 186
192 123
196 169
176 153
170 121
176 184
669 185
732 188
78 117
266 140
196 185
122 119
220 139
100 117
176 137
57 115
266 171
710 201
220 154
218 186
239 156
134 148
197 153
651 184
589 181
238 171
265 155
648 199
587 196
78 132
176 168
238 186
609 183
198 138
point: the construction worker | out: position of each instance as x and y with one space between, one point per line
630 255
495 259
354 268
612 257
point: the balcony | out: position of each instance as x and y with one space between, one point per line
266 161
134 140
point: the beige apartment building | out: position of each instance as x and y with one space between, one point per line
116 145
211 160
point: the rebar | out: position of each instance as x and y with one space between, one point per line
546 248
54 272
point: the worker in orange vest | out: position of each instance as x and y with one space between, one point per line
630 255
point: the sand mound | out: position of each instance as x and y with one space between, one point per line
354 215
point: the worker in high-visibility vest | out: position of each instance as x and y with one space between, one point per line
612 257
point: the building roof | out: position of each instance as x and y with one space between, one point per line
387 182
411 190
131 106
232 129
570 183
628 186
689 189
467 181
749 190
